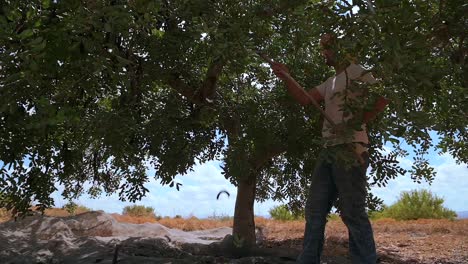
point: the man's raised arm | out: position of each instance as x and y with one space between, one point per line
280 70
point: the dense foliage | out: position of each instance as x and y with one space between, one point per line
94 92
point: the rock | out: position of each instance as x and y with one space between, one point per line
93 237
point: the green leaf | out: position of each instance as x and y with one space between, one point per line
107 27
37 41
123 60
45 3
157 33
26 33
33 66
38 44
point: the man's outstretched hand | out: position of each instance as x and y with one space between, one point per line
280 70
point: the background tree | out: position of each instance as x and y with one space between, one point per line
94 92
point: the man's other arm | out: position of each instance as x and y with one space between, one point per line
378 107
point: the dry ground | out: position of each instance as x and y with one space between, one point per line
420 241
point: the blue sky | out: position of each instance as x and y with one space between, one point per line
197 196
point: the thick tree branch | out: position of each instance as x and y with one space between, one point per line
181 87
207 88
231 123
260 160
212 76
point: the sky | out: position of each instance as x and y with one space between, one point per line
197 195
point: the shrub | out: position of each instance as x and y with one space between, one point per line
282 212
333 217
416 205
4 213
139 211
220 217
378 214
74 208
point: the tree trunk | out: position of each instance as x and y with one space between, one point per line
244 224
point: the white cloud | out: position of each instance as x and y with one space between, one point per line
197 195
450 183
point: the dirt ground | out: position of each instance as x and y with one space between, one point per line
424 241
418 242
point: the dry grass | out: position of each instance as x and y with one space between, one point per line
194 223
186 224
428 226
59 212
4 215
274 227
133 219
295 229
56 212
278 230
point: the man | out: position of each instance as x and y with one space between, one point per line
341 168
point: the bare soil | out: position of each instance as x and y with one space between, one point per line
424 241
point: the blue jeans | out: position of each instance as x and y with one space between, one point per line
347 181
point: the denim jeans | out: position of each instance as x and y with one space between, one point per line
333 179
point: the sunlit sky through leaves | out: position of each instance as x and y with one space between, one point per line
197 195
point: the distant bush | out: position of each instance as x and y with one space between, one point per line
74 208
139 211
378 214
416 205
282 212
4 213
220 217
333 217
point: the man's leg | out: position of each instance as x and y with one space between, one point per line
351 183
320 199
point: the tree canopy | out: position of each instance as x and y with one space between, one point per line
97 91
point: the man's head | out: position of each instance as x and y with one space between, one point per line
328 46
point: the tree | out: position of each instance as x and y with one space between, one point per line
96 91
